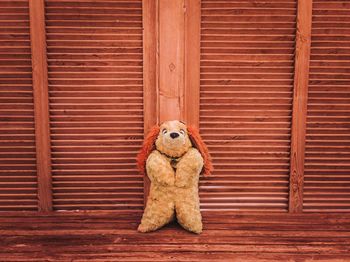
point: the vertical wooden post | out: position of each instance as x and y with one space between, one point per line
179 63
41 103
171 62
150 70
171 58
192 62
301 79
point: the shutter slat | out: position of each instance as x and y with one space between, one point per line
96 102
247 66
327 170
18 182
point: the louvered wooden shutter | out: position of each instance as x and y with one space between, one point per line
96 102
247 63
327 159
18 184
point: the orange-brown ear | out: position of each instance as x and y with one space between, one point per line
147 147
198 143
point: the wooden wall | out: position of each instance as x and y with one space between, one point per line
246 93
327 159
94 54
18 187
267 83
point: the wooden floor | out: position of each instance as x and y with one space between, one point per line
227 237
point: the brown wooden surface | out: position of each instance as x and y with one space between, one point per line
150 72
41 103
246 93
327 159
104 93
18 178
192 62
95 57
226 237
171 59
301 80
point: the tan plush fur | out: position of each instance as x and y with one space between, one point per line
173 167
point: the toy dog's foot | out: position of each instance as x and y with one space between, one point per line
189 216
143 229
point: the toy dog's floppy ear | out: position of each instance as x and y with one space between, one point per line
198 143
147 147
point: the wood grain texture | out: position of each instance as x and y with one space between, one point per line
115 68
301 79
95 58
192 62
246 93
82 236
171 59
150 72
41 103
18 182
327 153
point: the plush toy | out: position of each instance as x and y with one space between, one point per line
173 156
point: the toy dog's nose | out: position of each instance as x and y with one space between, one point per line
174 135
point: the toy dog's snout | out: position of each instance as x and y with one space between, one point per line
174 135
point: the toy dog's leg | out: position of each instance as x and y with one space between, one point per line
158 212
188 212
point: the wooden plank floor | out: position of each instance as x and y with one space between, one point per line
227 236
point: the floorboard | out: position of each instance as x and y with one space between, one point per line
227 236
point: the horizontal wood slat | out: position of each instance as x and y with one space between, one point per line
18 183
96 103
327 160
247 65
227 236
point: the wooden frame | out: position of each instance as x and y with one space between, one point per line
179 60
301 81
171 57
150 71
41 103
192 62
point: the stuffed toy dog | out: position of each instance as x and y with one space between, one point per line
173 156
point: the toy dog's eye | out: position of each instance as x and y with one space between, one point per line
164 131
182 132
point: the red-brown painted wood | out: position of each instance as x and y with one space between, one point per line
95 62
150 72
41 103
327 151
246 96
226 237
192 62
301 78
110 79
18 177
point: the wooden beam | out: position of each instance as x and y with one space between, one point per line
301 79
150 71
41 103
171 59
192 62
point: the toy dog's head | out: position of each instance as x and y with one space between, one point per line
174 139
